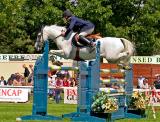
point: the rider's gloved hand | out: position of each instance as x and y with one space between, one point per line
62 33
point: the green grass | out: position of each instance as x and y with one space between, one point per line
10 111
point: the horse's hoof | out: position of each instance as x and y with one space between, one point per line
120 66
127 67
57 63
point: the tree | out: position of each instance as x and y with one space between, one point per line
135 20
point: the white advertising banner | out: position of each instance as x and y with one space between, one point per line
18 57
23 57
13 94
70 95
145 60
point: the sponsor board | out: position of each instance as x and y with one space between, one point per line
13 94
70 95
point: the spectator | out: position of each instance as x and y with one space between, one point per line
157 81
26 73
59 82
51 81
145 84
17 81
30 77
153 99
2 81
66 73
11 79
72 82
21 80
57 90
140 82
66 82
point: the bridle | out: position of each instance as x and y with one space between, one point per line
41 36
57 37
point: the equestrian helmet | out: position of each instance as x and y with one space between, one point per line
67 13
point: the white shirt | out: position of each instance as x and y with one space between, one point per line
51 81
145 86
140 82
2 83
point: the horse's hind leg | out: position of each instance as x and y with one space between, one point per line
124 60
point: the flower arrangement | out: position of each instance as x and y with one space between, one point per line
137 101
102 103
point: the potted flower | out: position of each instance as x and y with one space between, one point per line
103 105
137 104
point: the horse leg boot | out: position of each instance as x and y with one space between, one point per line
85 41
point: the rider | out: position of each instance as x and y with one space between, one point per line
84 28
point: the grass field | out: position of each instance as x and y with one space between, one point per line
10 111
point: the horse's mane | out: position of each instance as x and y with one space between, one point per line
60 28
51 29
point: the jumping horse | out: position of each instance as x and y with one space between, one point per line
113 49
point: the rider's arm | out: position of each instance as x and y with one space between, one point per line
72 23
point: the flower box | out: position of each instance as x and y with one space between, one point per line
106 116
140 112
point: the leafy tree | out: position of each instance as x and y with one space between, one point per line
135 20
12 25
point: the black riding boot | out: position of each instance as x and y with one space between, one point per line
85 41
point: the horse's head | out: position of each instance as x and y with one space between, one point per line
48 32
39 41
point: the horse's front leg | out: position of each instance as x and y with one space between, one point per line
59 53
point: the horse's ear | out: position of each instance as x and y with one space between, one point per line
42 28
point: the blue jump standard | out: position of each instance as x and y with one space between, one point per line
89 84
40 96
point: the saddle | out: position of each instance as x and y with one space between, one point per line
94 36
91 37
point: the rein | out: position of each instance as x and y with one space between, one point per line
57 37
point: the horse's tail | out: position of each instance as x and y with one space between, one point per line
129 47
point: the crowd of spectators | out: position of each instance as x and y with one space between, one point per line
56 81
61 79
55 78
143 82
19 79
